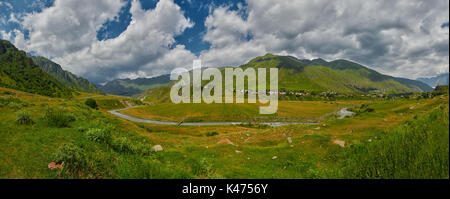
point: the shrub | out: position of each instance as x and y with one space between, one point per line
123 144
13 103
7 93
91 103
58 118
204 169
210 134
72 157
99 135
82 129
23 118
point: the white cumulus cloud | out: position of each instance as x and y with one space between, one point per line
402 38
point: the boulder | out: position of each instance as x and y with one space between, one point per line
341 143
225 141
157 148
54 166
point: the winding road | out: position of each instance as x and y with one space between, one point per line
134 119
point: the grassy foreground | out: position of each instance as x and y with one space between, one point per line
404 138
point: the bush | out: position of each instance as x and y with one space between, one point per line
23 118
72 158
58 118
13 103
91 103
99 135
210 134
204 169
7 93
123 144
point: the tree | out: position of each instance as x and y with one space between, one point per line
91 103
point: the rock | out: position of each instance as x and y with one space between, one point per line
157 148
54 166
339 142
318 128
289 139
225 141
274 157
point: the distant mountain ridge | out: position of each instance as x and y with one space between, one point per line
441 79
373 75
18 71
339 75
130 87
318 75
65 77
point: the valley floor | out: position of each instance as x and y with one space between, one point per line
403 138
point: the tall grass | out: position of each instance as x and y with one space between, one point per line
58 118
417 149
24 118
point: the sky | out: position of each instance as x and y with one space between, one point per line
103 40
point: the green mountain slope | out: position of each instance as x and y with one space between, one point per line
17 71
319 75
130 87
65 77
340 75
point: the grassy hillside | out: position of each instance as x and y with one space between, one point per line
129 87
416 149
403 138
341 76
19 72
65 77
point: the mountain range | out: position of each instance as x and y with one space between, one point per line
130 87
441 79
66 78
340 75
42 76
318 75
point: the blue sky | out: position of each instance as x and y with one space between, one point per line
192 38
107 39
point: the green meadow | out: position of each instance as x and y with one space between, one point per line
386 139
